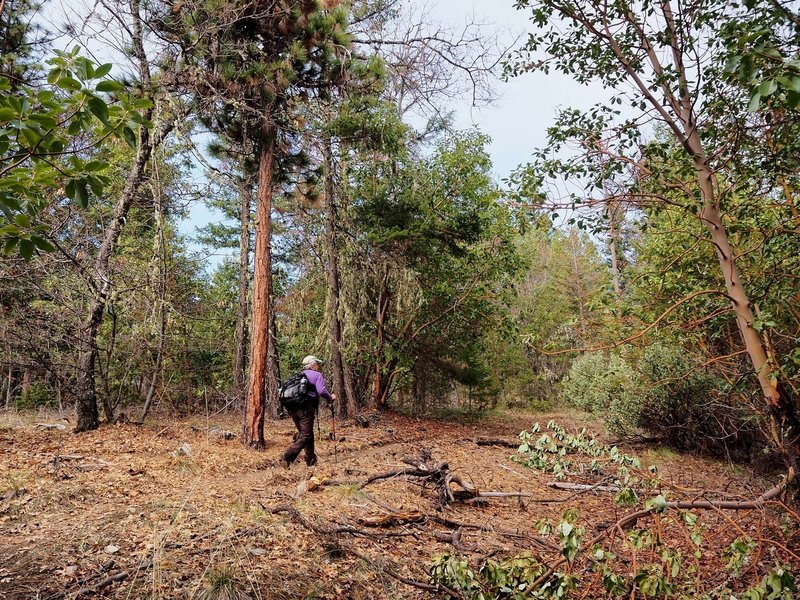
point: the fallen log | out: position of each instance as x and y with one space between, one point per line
101 584
58 426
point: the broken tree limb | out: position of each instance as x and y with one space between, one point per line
57 426
392 519
101 584
536 539
757 503
583 487
414 472
439 589
498 442
453 538
328 529
438 473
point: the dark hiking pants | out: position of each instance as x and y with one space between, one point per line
303 419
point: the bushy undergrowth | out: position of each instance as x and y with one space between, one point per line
661 393
38 395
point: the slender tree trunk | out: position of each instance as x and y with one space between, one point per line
160 276
613 244
26 381
253 430
379 387
345 404
273 367
783 416
240 361
784 419
10 388
86 404
108 408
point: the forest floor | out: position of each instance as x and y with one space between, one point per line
171 509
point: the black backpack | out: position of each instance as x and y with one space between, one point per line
293 393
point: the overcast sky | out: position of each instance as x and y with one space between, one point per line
527 104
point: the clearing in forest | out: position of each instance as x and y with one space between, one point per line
173 509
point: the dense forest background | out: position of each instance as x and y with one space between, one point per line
644 265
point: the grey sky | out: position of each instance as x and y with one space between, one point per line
527 104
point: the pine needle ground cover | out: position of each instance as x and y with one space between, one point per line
173 509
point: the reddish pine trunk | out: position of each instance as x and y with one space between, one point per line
253 431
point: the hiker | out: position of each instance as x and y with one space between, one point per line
303 415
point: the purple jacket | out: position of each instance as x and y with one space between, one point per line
315 378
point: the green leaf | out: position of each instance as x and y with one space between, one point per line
10 244
99 109
81 193
102 70
732 64
45 121
659 503
42 243
96 185
96 165
26 248
768 87
11 230
7 114
69 189
30 135
109 85
755 102
129 136
22 220
68 83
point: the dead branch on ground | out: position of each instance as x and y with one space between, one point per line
630 519
392 572
438 473
329 530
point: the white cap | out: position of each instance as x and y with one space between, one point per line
310 360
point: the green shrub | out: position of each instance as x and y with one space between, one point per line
678 400
605 385
38 395
664 393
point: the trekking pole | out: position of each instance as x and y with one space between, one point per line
333 434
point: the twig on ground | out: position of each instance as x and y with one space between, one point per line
694 504
436 589
295 515
583 487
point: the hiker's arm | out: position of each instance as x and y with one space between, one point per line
323 392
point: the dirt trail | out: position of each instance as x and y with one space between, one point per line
76 511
